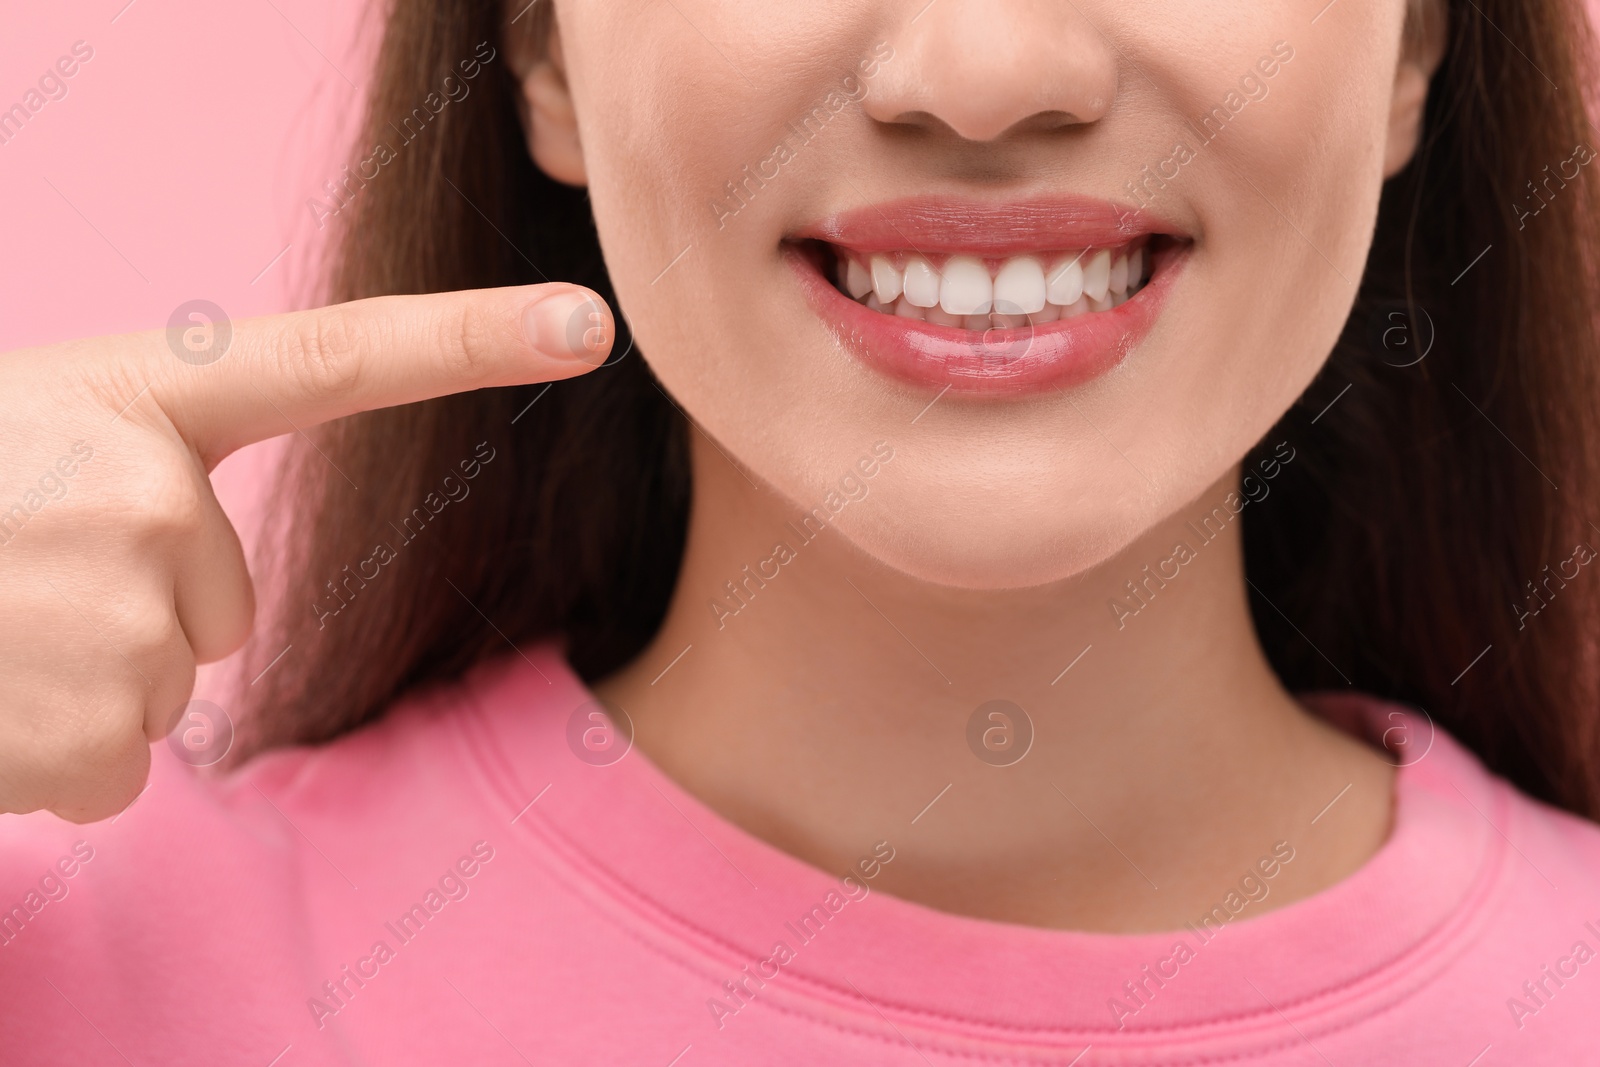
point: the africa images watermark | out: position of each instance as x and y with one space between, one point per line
343 190
51 85
1253 887
451 490
1211 526
742 989
1253 87
852 486
450 887
51 486
802 131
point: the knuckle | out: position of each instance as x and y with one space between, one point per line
166 501
469 343
323 352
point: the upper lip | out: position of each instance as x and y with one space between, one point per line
952 225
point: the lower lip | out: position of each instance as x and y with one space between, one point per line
998 362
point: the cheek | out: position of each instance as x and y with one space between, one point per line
1287 197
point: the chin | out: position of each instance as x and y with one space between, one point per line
1003 550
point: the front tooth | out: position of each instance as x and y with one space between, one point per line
1076 308
1101 303
980 323
1097 275
856 279
1008 322
921 285
887 282
1136 268
1119 274
940 317
1065 283
1019 288
907 310
965 288
1048 313
873 303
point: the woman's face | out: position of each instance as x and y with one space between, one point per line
985 156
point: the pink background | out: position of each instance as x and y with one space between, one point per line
177 167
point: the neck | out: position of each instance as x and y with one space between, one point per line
1142 755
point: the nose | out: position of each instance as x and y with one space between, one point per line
983 68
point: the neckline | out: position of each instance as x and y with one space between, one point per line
720 900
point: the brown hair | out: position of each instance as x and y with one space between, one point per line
1424 503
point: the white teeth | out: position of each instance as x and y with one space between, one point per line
856 279
1065 283
887 282
965 288
1022 292
1119 274
1019 288
921 285
1097 275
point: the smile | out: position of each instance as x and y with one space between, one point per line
966 292
989 299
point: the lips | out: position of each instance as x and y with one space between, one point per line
989 299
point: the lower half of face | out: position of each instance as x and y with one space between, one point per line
1068 261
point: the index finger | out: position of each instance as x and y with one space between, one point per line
286 372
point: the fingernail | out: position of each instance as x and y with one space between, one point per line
569 324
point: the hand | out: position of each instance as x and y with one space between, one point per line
119 571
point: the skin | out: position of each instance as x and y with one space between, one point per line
833 708
126 572
830 712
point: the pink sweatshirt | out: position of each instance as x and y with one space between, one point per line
458 885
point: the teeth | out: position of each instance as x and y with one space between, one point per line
1066 281
1020 291
965 288
887 282
921 285
1119 274
856 279
907 310
1019 288
1097 275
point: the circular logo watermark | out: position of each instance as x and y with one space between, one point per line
1000 733
199 332
599 733
1408 735
1011 341
1399 333
202 735
588 333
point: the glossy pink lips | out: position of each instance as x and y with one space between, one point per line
1009 359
